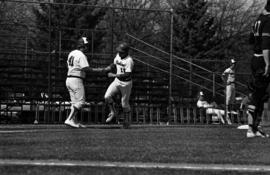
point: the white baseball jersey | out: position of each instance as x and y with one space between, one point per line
123 85
230 75
123 65
76 61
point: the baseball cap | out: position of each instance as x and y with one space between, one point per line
82 42
123 47
201 93
233 61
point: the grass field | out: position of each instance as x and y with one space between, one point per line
143 149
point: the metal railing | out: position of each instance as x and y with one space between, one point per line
215 84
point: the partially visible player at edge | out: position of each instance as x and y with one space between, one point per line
122 82
77 67
260 38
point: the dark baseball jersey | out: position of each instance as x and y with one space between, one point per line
261 33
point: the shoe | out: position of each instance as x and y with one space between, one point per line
71 123
250 133
262 134
110 117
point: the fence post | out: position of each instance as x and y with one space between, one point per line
171 66
37 113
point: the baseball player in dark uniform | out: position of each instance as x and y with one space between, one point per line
260 38
122 83
77 67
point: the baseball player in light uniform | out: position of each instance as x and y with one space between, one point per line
77 67
210 108
228 77
122 82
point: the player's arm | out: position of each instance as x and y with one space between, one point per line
266 47
91 69
266 60
105 69
109 68
223 76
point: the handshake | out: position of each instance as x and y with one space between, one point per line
102 70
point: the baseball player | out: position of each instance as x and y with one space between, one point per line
228 76
122 82
77 67
260 38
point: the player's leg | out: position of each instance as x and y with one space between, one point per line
260 132
69 120
219 114
259 85
250 116
80 97
228 101
77 96
254 119
227 93
73 113
126 91
111 91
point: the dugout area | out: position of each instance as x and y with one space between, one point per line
165 86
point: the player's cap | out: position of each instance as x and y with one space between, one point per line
123 47
233 61
267 6
82 42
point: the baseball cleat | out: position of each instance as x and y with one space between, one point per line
110 117
71 123
262 134
250 134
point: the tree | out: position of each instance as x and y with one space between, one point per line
17 25
73 19
234 20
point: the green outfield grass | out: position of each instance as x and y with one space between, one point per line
204 144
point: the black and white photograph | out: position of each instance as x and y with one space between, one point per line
134 87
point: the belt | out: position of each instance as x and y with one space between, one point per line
124 79
230 83
73 76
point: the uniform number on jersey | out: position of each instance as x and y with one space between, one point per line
256 29
70 61
123 70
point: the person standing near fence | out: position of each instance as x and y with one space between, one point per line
260 39
228 76
122 83
77 67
